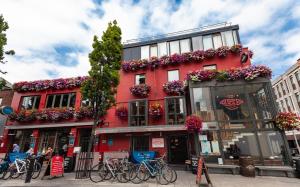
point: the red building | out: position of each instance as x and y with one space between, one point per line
153 101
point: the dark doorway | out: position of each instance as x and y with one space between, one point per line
84 139
178 152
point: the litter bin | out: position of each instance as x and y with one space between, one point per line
247 168
298 167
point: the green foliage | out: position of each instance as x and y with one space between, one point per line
100 87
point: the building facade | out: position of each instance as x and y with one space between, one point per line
287 91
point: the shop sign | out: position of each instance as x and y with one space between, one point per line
158 143
57 166
231 103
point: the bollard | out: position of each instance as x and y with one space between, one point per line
29 169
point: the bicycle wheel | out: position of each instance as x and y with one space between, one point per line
134 175
95 175
14 172
105 172
36 170
2 173
123 175
174 174
164 176
6 174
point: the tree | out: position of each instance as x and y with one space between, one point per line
3 42
105 61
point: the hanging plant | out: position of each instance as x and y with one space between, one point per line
193 123
83 112
222 51
236 49
209 53
156 111
174 87
140 90
122 112
154 63
287 121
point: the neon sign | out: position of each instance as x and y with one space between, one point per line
231 103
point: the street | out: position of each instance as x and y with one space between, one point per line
185 179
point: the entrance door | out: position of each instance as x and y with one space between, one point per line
84 139
178 152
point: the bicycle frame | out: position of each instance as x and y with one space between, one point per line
22 168
149 167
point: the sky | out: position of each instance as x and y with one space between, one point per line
52 38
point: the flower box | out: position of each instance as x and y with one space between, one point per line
140 90
174 87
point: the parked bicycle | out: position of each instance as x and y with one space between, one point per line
4 165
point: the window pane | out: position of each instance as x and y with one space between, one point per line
229 41
138 113
27 103
153 51
272 147
217 41
49 101
210 67
209 143
57 101
140 79
65 100
145 52
185 46
197 43
173 75
234 33
162 49
72 100
37 102
207 42
140 143
202 105
174 47
175 111
237 144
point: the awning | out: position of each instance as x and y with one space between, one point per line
153 128
49 125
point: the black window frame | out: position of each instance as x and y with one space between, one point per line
138 139
61 95
33 104
176 113
130 116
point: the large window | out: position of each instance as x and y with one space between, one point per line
229 38
162 49
145 52
293 82
209 143
185 46
217 41
175 110
197 43
173 75
138 113
30 102
174 47
297 78
203 105
140 143
153 51
207 42
140 79
61 100
210 67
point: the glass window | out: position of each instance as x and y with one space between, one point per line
175 111
140 143
203 105
272 147
293 82
162 49
185 46
265 125
65 100
145 52
30 102
292 103
57 101
197 43
231 103
153 51
286 85
279 93
237 144
297 78
282 105
235 125
207 42
209 143
174 47
217 41
140 79
235 38
282 88
86 103
72 100
298 99
287 104
138 111
210 67
228 38
61 100
173 75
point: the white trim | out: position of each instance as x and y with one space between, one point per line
153 128
48 125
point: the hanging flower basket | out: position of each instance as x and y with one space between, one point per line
193 123
236 49
174 87
155 111
209 53
287 121
140 90
122 112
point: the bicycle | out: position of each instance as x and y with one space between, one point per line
3 168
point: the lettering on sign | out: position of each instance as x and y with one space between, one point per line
158 143
57 166
231 103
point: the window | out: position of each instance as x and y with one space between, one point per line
153 51
61 100
185 46
228 38
162 49
140 143
298 99
86 103
297 78
174 47
197 43
137 113
0 100
140 79
217 41
292 102
292 82
173 75
278 90
175 110
30 102
287 104
207 42
209 143
145 52
203 105
282 105
286 85
210 67
282 88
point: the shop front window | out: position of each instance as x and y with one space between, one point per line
272 147
30 102
231 103
238 144
209 143
175 111
138 111
202 104
140 143
61 100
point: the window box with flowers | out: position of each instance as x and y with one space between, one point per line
175 87
140 90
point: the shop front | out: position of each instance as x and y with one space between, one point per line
238 121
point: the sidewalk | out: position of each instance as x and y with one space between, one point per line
185 179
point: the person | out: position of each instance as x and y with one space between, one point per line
65 148
16 148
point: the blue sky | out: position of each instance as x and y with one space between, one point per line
53 38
